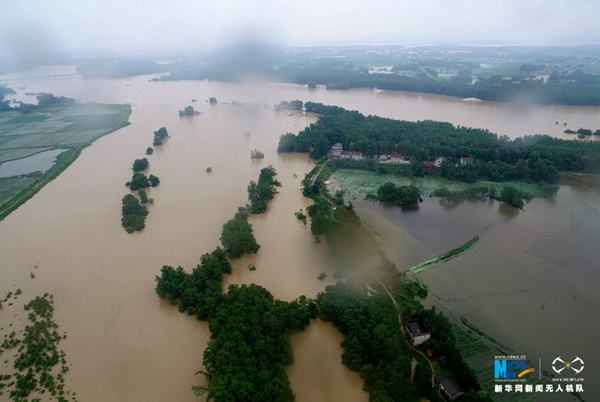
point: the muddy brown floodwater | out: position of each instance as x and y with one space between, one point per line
124 343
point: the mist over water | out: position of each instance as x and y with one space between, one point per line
35 32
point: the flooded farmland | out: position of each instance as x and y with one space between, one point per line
124 343
531 281
39 162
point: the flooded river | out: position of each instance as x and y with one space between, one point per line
125 344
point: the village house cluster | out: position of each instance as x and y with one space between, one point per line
337 152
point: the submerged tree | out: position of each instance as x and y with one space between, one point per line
153 180
263 191
138 180
159 136
133 214
237 237
140 165
512 196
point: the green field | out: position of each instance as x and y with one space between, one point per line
65 126
358 183
9 186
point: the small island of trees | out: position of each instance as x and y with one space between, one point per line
133 214
259 194
159 136
140 165
300 216
237 236
140 180
133 211
188 111
153 180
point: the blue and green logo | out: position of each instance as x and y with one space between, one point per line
508 369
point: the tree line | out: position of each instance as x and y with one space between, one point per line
575 88
133 214
134 211
530 158
263 191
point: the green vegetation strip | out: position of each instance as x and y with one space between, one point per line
64 124
424 266
62 162
375 344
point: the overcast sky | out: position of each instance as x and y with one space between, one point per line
76 26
